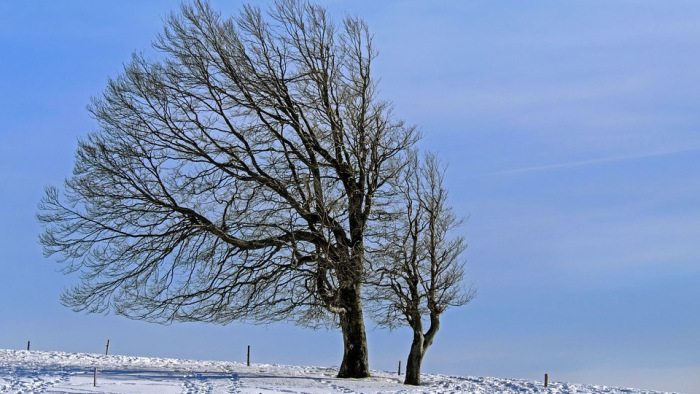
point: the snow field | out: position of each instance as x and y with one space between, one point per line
58 372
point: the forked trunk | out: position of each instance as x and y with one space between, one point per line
415 359
421 343
355 356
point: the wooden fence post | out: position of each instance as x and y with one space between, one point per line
94 378
107 350
28 344
248 358
399 367
546 380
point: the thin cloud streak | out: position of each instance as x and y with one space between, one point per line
583 163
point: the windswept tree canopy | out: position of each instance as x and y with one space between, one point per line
420 268
233 173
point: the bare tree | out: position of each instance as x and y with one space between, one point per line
233 176
422 270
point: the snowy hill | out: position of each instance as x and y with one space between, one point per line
58 372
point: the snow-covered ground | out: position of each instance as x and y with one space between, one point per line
58 372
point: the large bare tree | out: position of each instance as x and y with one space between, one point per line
422 269
233 175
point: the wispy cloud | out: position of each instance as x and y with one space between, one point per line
598 161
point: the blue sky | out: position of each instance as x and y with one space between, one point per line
571 132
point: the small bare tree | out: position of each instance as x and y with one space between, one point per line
422 273
233 176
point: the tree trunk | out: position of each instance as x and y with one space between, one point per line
415 359
421 343
355 356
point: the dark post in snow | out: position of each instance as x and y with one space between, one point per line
248 358
94 378
399 367
107 350
28 345
546 380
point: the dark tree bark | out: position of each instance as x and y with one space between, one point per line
355 354
419 346
233 176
